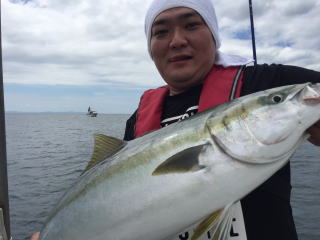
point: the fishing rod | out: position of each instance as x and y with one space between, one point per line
252 33
4 198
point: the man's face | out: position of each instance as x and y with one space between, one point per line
182 48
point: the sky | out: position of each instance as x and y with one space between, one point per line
66 55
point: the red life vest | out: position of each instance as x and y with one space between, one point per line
216 90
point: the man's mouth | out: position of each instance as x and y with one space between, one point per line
179 58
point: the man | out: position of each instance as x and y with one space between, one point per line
183 42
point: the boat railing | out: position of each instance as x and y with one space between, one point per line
3 232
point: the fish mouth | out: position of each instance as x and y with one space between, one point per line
310 94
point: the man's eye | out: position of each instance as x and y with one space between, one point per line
192 25
160 32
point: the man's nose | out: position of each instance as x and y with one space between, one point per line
178 39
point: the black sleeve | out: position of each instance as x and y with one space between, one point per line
262 77
130 125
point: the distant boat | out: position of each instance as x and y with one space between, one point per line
91 112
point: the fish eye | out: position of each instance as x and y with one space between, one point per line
273 98
277 98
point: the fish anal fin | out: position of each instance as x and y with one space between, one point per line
218 224
182 162
104 147
206 224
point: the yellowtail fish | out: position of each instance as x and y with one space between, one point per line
155 186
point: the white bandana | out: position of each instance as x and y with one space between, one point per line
206 10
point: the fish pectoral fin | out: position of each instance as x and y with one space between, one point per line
104 146
182 162
219 224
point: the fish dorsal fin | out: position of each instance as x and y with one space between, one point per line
218 223
104 146
182 162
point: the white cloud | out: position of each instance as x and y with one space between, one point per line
286 30
102 42
83 42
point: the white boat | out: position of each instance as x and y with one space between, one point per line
91 112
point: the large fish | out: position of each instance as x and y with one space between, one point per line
155 186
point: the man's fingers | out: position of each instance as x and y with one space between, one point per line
314 131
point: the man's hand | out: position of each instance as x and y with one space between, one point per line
35 236
314 131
